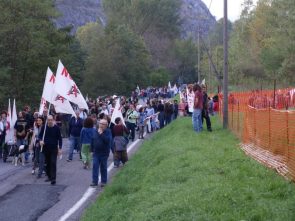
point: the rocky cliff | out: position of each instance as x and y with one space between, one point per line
194 15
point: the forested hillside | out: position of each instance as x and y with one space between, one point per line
110 46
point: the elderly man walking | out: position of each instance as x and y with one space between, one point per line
51 147
100 148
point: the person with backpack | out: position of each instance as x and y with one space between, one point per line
120 134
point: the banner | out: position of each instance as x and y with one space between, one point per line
67 88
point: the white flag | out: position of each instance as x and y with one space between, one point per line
117 112
203 82
14 114
9 127
49 94
175 89
62 105
48 89
190 100
66 87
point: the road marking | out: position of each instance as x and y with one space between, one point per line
90 191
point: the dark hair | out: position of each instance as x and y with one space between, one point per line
101 116
88 122
41 118
197 88
117 120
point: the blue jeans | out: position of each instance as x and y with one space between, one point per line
197 120
74 145
100 163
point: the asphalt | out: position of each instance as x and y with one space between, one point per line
23 197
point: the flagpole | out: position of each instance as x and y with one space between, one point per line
45 126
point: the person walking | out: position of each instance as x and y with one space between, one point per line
198 106
141 122
35 146
75 127
205 111
51 146
86 136
120 133
132 116
100 149
161 115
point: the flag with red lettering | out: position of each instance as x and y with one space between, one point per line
66 87
117 112
61 105
48 89
9 128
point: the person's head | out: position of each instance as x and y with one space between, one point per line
103 124
77 113
50 121
197 88
88 123
101 116
118 120
39 121
141 110
132 107
4 115
21 115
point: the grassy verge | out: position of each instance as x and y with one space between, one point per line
180 175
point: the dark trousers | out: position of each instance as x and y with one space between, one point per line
2 138
100 164
51 158
205 115
161 118
131 127
120 156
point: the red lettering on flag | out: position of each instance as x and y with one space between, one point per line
52 79
74 90
60 98
66 73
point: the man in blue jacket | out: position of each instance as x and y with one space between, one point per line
100 148
75 127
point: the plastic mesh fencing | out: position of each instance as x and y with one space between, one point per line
266 126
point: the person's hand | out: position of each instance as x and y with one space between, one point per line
59 152
42 143
100 131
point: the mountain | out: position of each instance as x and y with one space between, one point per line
77 13
193 13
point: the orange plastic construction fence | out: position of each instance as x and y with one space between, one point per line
264 123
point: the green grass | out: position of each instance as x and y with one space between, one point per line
180 175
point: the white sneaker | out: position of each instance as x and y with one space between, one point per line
33 172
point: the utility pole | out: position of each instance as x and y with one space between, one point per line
225 68
199 74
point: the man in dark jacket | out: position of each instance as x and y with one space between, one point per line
75 127
205 111
100 148
51 147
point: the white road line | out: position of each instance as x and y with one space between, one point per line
90 191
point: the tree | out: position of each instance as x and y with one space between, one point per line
29 43
118 62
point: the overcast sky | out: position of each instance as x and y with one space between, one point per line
234 8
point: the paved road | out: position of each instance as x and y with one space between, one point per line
25 198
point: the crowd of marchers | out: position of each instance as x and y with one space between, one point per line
38 138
